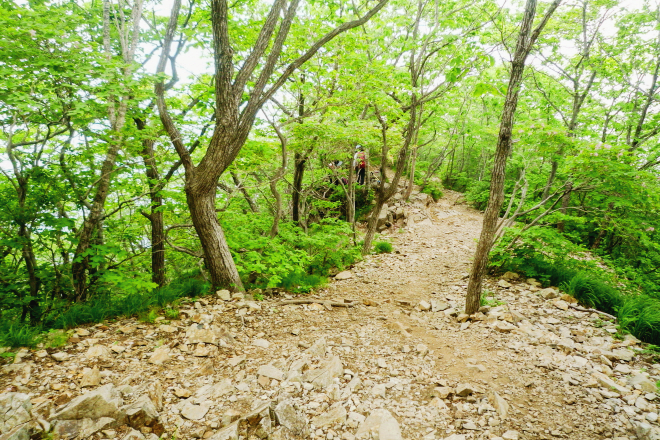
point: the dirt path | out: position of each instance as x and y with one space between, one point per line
528 368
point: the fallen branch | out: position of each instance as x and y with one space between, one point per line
582 309
314 301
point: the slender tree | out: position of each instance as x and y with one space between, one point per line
526 39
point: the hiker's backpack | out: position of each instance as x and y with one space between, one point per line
362 160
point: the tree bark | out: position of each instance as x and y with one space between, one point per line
155 216
526 39
299 161
218 259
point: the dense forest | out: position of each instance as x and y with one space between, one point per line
151 151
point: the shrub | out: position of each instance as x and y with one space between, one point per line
382 247
15 334
434 189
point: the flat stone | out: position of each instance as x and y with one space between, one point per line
102 402
647 385
549 293
294 421
608 383
97 351
465 389
194 412
167 328
561 305
141 413
439 306
91 378
60 356
224 295
336 414
83 428
511 435
623 354
379 425
501 406
504 327
323 376
504 284
345 275
261 343
424 306
160 355
271 372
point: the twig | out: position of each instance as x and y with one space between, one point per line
313 301
582 309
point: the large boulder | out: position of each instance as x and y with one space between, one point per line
102 402
14 411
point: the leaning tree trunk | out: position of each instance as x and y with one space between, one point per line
525 41
218 258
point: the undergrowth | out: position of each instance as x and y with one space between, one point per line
145 305
593 286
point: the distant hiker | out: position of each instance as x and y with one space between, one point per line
360 161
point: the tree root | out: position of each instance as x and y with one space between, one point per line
582 309
314 301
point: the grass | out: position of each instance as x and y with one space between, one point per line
383 247
637 314
146 305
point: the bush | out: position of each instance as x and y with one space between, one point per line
477 194
382 247
15 334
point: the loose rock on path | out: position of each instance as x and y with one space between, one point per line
399 362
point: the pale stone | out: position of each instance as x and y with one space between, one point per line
194 412
224 295
91 378
270 372
160 355
379 425
60 356
336 414
97 351
14 410
102 402
500 405
294 421
344 275
261 343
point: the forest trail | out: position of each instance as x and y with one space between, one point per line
397 363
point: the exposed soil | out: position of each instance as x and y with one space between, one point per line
544 361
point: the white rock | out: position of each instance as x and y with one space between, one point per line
379 425
344 275
262 343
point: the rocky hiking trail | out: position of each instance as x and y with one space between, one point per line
382 352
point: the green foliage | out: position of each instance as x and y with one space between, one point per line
477 194
382 247
434 189
56 338
301 282
14 334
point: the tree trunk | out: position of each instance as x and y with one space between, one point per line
219 260
298 174
411 178
565 200
523 47
81 262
